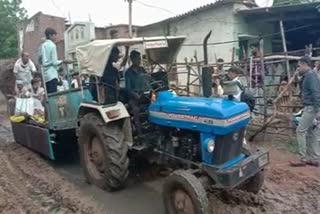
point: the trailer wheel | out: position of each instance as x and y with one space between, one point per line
103 153
183 193
255 183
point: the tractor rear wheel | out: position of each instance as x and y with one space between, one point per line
103 153
183 193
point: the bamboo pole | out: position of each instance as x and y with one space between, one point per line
250 72
284 44
277 57
188 77
263 78
232 57
199 71
275 111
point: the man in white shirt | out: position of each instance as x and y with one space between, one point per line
63 84
220 70
234 75
217 90
24 69
75 82
37 91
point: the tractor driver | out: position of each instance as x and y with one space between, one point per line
135 83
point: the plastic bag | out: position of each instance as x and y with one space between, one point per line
24 106
28 106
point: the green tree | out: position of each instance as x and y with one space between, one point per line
11 13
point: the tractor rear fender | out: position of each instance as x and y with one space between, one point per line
111 114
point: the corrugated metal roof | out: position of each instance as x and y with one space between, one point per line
201 9
279 9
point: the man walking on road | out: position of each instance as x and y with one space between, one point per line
307 133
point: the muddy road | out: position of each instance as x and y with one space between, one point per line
31 184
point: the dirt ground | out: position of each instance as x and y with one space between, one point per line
28 184
286 190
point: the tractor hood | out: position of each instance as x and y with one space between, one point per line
219 116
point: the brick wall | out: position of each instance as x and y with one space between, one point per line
34 30
100 33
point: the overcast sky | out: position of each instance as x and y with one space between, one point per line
104 12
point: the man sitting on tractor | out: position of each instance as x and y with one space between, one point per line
135 84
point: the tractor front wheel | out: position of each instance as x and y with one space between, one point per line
103 153
183 193
255 183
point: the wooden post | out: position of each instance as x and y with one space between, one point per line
263 79
188 77
199 72
232 58
284 44
250 71
275 107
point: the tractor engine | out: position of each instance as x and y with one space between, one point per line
182 144
202 130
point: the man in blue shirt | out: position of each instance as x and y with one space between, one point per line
136 79
50 62
135 76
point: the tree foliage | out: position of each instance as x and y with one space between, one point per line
11 13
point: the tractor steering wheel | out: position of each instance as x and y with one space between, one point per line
159 85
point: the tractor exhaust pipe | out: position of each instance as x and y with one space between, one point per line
205 48
206 70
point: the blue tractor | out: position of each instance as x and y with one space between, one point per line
200 138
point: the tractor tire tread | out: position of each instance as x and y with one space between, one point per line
116 149
199 197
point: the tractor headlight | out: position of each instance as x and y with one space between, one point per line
211 146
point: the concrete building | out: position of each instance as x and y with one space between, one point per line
221 17
115 31
300 22
226 24
31 31
81 33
